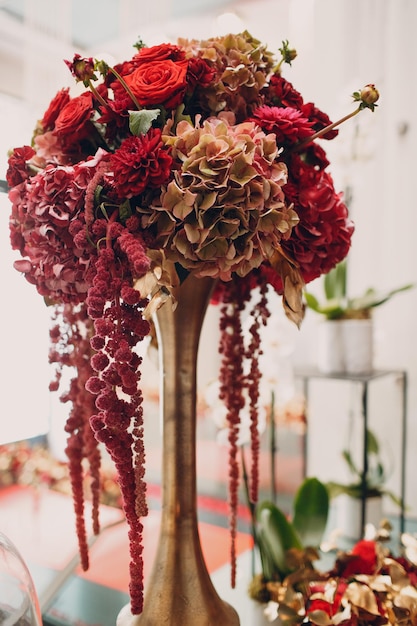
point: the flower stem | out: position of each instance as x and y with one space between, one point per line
97 95
323 131
125 86
273 449
250 504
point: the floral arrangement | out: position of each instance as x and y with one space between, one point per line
34 465
198 157
365 585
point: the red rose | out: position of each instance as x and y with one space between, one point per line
56 105
159 82
74 117
140 163
17 171
159 53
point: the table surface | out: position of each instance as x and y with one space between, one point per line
41 525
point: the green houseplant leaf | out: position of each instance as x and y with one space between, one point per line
311 510
371 298
375 479
336 303
335 282
276 535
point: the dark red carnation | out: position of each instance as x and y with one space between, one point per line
323 235
280 92
200 73
140 163
288 124
304 170
55 107
17 171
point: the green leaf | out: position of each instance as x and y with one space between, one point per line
97 193
372 442
278 535
125 210
311 510
179 115
372 298
353 490
332 309
335 282
141 121
269 568
349 460
312 302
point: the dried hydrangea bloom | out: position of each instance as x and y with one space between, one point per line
224 211
242 64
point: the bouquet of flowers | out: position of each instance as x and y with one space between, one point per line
198 157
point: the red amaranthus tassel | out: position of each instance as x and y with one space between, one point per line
70 346
116 310
237 380
232 350
259 314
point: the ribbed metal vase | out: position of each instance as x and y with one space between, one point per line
179 591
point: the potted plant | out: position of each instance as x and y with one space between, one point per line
286 544
369 488
346 337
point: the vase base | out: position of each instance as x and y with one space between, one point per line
225 616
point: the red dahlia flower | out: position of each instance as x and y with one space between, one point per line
140 163
289 125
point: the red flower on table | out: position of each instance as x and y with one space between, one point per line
363 561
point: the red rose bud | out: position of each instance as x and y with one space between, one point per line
82 69
288 54
369 95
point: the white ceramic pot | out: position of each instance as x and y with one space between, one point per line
345 346
358 346
330 354
349 515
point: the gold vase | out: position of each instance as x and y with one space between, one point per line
179 591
